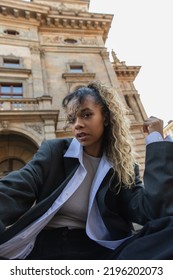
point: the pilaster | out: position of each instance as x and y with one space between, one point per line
37 71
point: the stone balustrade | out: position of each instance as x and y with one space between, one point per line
25 104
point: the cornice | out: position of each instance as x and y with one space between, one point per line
23 9
127 71
40 114
5 70
79 20
122 70
24 5
80 76
55 19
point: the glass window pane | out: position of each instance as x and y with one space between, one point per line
11 65
5 89
76 68
11 62
17 89
11 91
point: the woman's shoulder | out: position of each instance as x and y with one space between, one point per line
58 143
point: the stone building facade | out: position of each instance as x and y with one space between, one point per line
168 129
47 49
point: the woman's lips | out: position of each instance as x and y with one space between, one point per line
81 136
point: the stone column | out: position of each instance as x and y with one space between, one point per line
37 76
49 129
134 106
43 66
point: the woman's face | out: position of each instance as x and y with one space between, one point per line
87 123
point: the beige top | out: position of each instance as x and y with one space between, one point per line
73 213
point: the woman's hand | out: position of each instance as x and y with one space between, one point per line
153 124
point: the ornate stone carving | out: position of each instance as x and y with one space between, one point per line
36 127
65 8
56 39
53 39
5 124
42 52
104 54
88 41
116 59
37 50
34 48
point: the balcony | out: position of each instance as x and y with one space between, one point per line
25 104
19 111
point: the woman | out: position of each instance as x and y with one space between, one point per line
78 198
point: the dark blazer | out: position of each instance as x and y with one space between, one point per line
28 193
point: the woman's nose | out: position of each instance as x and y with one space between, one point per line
78 123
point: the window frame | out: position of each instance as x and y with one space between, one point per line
11 62
11 93
77 66
76 69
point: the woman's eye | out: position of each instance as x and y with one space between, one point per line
87 115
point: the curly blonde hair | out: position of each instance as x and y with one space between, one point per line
117 136
119 140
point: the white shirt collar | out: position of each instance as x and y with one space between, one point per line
75 150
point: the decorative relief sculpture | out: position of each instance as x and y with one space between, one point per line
66 8
56 39
5 124
36 127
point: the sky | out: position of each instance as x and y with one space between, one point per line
141 35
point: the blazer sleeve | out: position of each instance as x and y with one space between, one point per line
155 198
19 189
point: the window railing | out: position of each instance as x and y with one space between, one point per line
23 104
26 104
